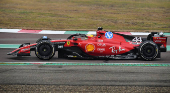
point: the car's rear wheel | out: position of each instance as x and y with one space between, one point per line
44 49
148 50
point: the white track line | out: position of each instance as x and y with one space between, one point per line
139 33
51 32
10 30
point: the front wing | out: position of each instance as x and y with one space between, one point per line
24 50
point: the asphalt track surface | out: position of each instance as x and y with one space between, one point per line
78 75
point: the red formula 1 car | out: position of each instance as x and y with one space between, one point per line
104 45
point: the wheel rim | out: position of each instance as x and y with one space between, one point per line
45 50
149 50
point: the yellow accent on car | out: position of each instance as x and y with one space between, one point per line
89 35
68 43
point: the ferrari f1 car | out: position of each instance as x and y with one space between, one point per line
105 44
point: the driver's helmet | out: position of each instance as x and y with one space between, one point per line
89 36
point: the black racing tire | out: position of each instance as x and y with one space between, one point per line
148 50
45 49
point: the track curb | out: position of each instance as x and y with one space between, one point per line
68 32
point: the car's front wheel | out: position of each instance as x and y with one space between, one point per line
148 50
44 49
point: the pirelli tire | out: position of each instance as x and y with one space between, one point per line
45 50
148 50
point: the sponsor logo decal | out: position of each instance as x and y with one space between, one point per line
59 42
120 49
99 40
60 46
114 50
68 43
158 41
27 49
101 49
109 35
102 45
90 48
161 38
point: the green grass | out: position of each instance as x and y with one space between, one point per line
85 14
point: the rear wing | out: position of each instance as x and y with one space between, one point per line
159 39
